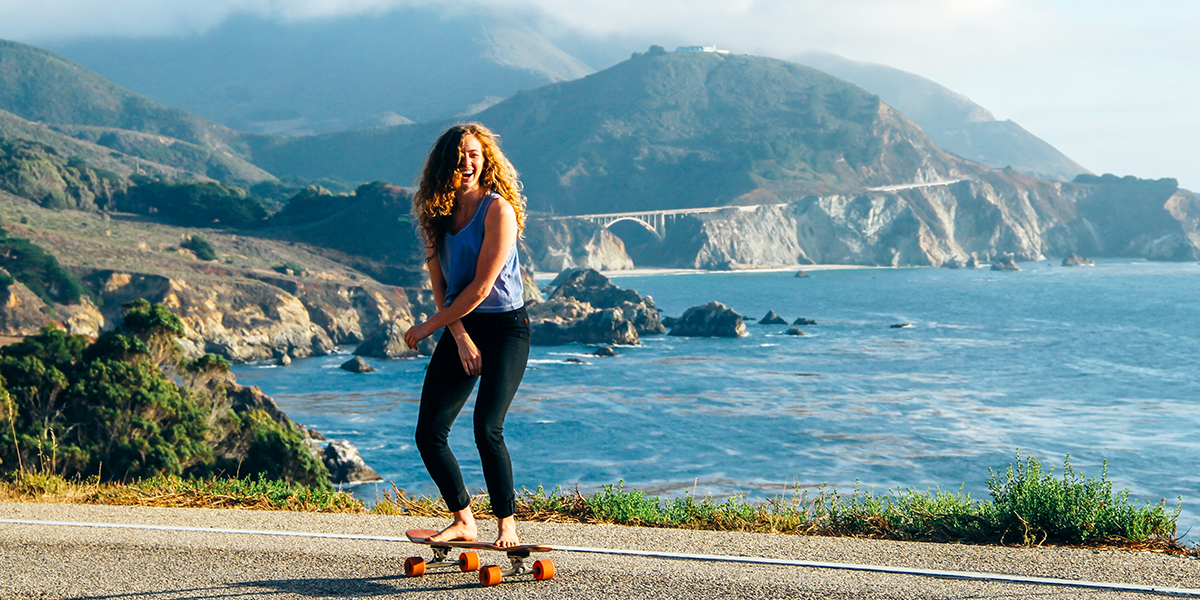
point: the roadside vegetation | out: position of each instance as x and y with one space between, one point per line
130 407
1030 507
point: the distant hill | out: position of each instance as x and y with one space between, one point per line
663 130
952 120
265 76
42 86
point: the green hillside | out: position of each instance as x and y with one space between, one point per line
42 86
662 130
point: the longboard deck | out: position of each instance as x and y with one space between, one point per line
421 536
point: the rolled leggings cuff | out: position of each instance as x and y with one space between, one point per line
463 500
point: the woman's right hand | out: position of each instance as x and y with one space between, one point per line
469 354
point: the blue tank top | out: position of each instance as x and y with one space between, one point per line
460 254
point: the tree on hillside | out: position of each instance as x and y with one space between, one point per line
196 203
130 406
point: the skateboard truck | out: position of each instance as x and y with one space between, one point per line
518 557
416 566
540 569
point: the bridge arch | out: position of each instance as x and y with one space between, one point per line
608 223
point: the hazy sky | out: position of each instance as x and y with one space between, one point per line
1113 84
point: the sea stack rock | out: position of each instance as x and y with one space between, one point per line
803 321
1076 260
772 319
605 351
585 307
345 465
357 365
802 274
386 342
710 320
794 331
1006 263
588 285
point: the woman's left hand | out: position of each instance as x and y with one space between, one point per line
416 333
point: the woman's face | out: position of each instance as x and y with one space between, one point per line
470 165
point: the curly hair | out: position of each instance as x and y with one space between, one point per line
437 191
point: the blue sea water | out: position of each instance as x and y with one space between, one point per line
1099 363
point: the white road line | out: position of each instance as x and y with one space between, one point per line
966 575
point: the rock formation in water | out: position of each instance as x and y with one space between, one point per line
1076 260
772 319
585 307
709 320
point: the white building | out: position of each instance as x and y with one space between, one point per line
701 49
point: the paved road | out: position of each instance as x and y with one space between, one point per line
46 562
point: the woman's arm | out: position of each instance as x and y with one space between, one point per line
500 235
467 351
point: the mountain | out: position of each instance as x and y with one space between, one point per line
41 86
952 120
663 130
267 76
55 102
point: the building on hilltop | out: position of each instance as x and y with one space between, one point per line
701 49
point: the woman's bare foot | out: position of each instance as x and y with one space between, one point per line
508 533
462 529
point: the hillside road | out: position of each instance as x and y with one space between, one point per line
54 561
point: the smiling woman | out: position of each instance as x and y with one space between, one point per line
470 210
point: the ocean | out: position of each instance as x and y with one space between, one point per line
1095 363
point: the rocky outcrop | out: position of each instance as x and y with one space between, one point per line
345 465
357 365
1076 260
22 313
587 285
710 320
600 326
553 245
585 307
264 316
386 342
772 319
341 458
1005 263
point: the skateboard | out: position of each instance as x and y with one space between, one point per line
518 556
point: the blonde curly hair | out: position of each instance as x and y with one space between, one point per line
437 191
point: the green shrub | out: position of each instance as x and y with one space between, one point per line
28 263
196 204
291 268
200 246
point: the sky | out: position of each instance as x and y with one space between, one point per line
1115 85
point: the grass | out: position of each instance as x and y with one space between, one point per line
1030 507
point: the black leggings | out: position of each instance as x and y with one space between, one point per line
503 342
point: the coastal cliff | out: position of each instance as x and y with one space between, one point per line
993 214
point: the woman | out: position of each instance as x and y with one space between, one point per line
470 212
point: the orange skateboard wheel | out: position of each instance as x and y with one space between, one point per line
489 575
543 569
468 561
414 567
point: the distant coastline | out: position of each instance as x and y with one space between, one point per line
649 271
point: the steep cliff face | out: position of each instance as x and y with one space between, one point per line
554 246
993 214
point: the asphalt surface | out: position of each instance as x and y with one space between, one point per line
43 562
